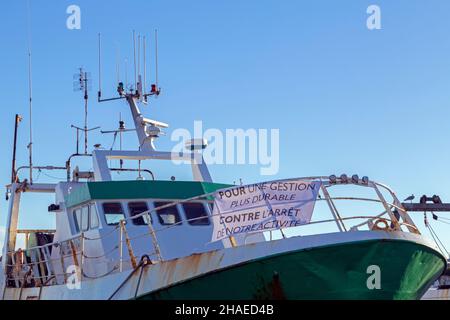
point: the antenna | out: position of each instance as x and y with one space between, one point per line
82 83
139 90
156 59
99 67
134 49
16 126
30 94
118 62
139 56
126 73
145 71
120 86
147 130
155 89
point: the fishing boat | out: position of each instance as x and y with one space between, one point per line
157 239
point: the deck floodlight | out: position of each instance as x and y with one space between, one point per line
365 180
355 178
344 178
332 178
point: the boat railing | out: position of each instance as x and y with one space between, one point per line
36 267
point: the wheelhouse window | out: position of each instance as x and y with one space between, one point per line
93 216
113 213
168 215
136 208
195 213
77 220
85 218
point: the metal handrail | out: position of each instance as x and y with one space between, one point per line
174 203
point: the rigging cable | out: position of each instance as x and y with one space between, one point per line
437 218
53 177
434 235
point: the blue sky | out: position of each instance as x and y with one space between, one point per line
346 99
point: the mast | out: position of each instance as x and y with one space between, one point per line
85 112
13 170
82 83
30 96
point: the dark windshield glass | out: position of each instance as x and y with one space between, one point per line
195 214
136 208
169 215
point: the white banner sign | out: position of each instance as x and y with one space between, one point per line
263 207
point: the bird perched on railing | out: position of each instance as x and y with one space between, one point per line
410 198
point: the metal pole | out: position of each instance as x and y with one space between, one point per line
134 50
333 210
63 267
30 95
153 235
145 70
13 171
129 247
30 145
156 59
99 66
82 256
85 113
120 247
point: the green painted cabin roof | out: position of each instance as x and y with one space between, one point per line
170 190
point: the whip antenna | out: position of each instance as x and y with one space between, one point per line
99 67
145 70
139 56
126 73
156 59
118 62
30 95
134 49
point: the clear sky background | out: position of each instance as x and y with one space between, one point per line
346 99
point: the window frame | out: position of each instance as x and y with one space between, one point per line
141 220
95 213
85 219
160 203
105 214
77 219
199 219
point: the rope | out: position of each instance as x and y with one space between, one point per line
102 237
435 237
144 261
435 234
101 256
40 261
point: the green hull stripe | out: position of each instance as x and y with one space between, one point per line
340 271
